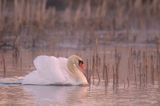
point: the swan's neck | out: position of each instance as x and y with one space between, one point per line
72 68
74 72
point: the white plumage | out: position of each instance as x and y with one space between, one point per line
53 70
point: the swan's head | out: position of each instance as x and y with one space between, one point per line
77 61
75 67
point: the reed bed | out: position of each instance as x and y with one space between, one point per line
141 70
114 66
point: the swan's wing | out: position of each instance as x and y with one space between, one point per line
42 62
63 64
51 68
35 78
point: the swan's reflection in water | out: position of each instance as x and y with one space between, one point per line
57 95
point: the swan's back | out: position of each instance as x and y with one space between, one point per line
49 70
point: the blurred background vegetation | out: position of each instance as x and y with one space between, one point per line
35 24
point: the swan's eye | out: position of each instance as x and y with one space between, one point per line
80 62
81 65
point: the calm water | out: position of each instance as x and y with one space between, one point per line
78 96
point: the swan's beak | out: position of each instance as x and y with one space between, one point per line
81 66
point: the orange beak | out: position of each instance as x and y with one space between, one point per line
81 66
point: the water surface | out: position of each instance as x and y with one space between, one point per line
93 95
29 95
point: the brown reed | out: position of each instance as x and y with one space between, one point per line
139 64
4 65
88 73
152 70
106 75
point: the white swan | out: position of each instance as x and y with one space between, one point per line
56 71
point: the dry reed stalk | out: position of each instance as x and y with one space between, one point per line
78 15
152 69
106 75
40 12
87 71
1 16
117 63
88 9
132 65
140 74
4 65
93 68
43 11
104 65
21 63
137 65
146 67
18 13
27 10
15 56
143 68
133 60
158 60
68 16
104 8
135 74
98 68
114 77
152 66
95 64
129 60
128 82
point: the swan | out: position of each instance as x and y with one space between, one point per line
52 70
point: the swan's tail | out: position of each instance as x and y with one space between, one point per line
11 81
